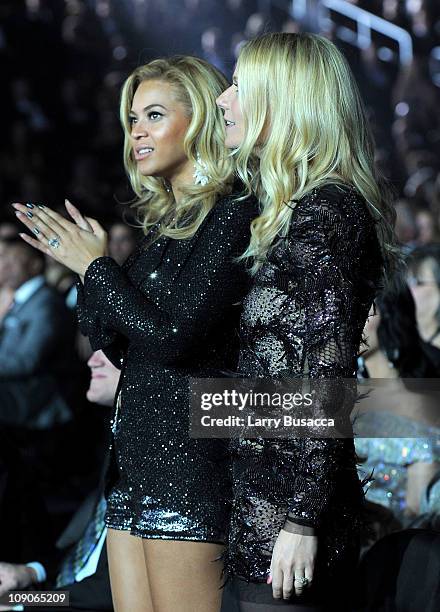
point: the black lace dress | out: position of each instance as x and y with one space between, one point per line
304 317
169 313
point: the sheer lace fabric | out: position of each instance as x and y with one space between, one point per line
304 317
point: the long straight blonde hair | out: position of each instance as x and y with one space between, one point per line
196 84
304 116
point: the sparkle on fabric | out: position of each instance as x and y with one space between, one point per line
304 316
171 312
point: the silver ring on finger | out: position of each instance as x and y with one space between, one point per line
54 243
36 230
303 581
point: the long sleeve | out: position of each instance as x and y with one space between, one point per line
100 337
325 248
113 344
210 282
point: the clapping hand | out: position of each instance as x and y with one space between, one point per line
75 245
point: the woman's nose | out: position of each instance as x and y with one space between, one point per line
221 100
139 130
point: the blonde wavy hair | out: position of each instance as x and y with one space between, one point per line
196 84
304 117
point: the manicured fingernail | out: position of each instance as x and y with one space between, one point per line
36 230
29 214
17 213
29 205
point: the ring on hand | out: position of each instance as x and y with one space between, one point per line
54 243
303 580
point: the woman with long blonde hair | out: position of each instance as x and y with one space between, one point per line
319 250
167 314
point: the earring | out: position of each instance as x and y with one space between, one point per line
200 175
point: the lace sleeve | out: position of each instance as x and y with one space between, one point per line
324 251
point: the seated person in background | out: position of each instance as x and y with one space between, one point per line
83 568
121 241
424 282
6 293
36 344
7 230
401 417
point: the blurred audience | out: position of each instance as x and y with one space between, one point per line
406 228
78 563
36 342
41 381
122 239
424 282
109 37
398 422
427 230
62 67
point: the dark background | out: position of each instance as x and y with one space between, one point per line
63 63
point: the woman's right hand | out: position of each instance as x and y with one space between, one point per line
292 565
81 221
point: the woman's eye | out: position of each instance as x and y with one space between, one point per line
154 115
131 120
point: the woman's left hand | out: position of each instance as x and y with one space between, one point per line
292 565
71 245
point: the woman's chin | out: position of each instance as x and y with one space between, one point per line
232 143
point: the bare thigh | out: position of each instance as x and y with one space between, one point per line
128 574
184 576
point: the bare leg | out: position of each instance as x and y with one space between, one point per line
128 575
184 576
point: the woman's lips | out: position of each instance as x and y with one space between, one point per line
142 153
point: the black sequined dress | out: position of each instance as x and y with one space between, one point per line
169 313
304 317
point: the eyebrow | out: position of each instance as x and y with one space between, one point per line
146 108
